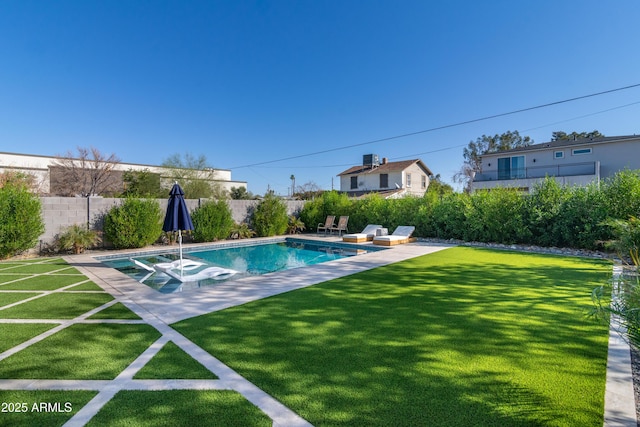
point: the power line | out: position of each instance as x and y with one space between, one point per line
522 110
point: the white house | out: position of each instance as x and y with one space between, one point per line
40 168
573 162
390 179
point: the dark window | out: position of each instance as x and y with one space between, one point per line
384 180
354 182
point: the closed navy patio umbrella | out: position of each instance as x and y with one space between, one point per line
177 217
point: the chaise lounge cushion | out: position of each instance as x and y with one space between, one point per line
401 235
367 234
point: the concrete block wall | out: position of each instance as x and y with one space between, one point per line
60 212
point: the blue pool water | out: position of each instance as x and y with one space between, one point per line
247 260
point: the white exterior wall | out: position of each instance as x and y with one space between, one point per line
38 166
417 173
371 181
609 157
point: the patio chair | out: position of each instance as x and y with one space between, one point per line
402 234
328 224
341 227
367 234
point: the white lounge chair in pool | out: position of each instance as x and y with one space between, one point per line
367 234
402 234
193 270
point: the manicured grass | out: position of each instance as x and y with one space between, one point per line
13 334
172 362
81 351
59 267
38 401
460 337
6 277
179 408
43 283
116 311
7 298
60 305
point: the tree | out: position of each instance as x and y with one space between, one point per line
90 173
197 178
240 193
487 144
563 136
308 191
437 186
142 184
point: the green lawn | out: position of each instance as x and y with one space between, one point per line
460 337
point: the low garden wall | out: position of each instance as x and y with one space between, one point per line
60 212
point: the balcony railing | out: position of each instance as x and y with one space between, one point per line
570 169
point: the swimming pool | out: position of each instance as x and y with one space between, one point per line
246 259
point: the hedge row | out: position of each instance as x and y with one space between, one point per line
551 215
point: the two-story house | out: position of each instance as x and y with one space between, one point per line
390 179
572 162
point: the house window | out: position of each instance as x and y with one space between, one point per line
511 167
384 180
580 151
559 154
409 180
354 182
424 182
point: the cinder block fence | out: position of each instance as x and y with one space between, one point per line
60 212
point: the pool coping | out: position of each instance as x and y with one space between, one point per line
173 307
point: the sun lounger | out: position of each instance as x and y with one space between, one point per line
367 234
400 235
328 224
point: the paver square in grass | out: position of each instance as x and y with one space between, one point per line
171 362
179 408
459 337
16 333
43 407
7 298
56 306
116 311
45 282
82 351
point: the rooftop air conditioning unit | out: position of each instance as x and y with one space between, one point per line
370 160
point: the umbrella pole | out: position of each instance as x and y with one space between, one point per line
180 245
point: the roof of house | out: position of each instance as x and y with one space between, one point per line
386 168
567 143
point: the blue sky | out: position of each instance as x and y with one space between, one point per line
246 82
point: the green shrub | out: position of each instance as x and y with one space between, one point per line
330 203
134 224
20 219
543 207
496 216
581 217
242 231
622 194
212 221
270 217
449 216
77 238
